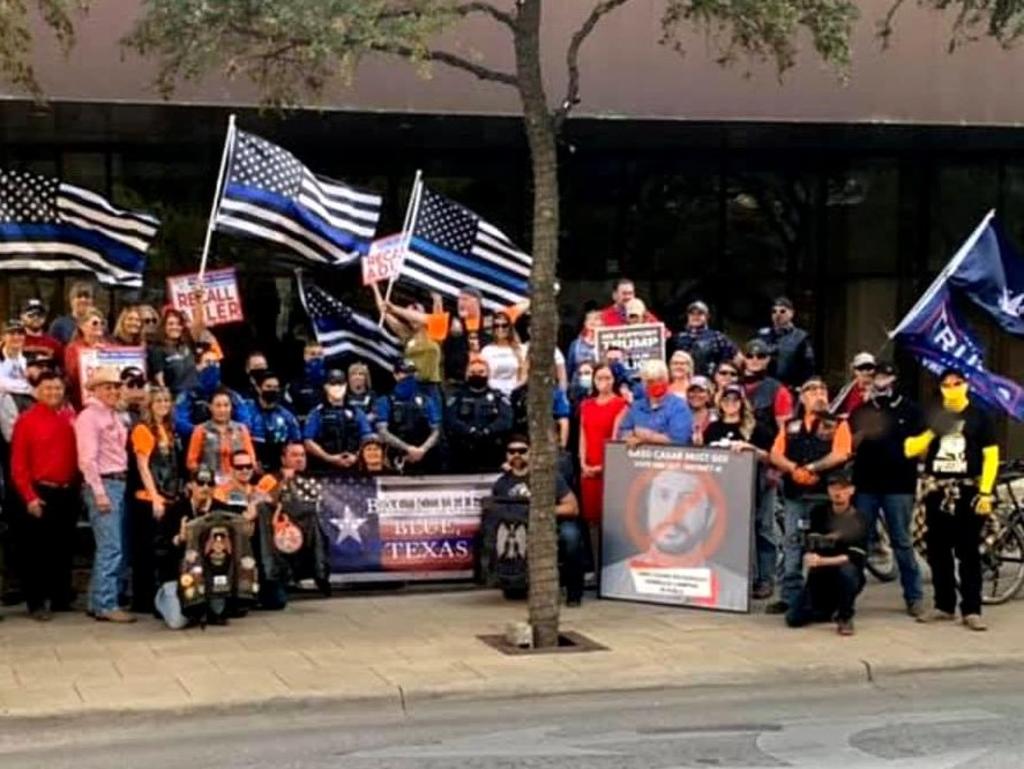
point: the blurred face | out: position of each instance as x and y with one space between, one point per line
670 532
220 408
756 361
201 491
312 352
781 316
477 369
679 368
92 329
50 392
518 456
357 381
134 392
373 455
603 381
173 327
255 363
14 342
697 397
132 324
34 320
467 306
150 321
696 319
585 371
270 390
501 327
242 468
107 393
864 374
207 359
731 406
841 494
161 405
592 321
624 292
615 356
81 302
726 374
814 397
294 458
883 384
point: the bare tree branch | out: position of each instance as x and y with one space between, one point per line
495 13
572 58
451 60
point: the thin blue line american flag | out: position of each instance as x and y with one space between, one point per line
50 225
341 330
270 194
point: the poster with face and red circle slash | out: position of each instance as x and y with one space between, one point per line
677 526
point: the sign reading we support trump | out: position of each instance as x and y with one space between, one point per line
403 529
384 260
677 526
221 301
113 356
639 343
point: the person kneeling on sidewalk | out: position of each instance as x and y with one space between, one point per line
834 559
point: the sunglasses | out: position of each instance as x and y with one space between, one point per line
518 450
758 355
96 322
150 321
727 372
205 484
83 295
868 367
780 310
500 325
242 468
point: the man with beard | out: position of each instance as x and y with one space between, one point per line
33 316
514 486
807 446
885 478
478 419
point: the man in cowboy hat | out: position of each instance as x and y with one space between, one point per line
102 440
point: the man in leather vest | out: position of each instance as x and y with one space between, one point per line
707 346
333 430
478 420
810 444
409 423
771 400
792 348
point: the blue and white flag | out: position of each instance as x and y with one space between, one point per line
936 334
269 194
451 248
49 225
991 273
341 330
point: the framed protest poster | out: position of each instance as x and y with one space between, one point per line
384 260
639 343
221 299
119 357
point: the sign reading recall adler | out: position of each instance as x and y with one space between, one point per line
639 343
677 526
402 529
384 261
220 295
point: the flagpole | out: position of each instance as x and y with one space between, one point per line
943 276
229 141
410 217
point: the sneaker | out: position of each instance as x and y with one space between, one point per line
762 591
40 615
975 622
776 607
915 609
936 615
117 615
844 627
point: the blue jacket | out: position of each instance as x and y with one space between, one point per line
672 417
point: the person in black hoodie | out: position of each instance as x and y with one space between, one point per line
885 478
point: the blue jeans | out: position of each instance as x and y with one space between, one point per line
797 519
572 554
898 510
766 545
107 530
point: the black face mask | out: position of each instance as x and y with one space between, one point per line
476 382
271 397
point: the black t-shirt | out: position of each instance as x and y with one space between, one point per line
511 486
846 533
880 465
178 365
722 432
956 451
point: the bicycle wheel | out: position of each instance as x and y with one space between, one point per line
1002 561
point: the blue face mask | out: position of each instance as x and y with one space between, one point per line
209 378
406 388
316 371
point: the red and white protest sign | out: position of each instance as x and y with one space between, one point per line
384 260
220 295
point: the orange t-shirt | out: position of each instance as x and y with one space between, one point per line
842 440
143 444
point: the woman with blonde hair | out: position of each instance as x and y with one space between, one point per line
505 356
128 329
680 370
91 333
359 391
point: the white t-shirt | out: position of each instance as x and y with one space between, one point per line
504 366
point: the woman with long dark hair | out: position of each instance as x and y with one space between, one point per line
158 457
598 415
172 359
505 356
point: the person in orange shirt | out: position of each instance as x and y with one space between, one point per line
215 442
806 447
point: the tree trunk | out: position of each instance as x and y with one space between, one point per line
545 593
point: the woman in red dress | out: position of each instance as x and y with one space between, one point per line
598 415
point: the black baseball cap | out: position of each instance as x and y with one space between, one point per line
733 389
133 375
885 368
758 347
335 376
841 476
783 301
33 306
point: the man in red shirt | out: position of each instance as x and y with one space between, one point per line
44 470
33 316
615 314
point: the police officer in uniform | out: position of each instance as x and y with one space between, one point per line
409 423
807 446
305 393
271 424
961 460
478 420
333 430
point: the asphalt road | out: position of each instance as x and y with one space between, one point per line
934 722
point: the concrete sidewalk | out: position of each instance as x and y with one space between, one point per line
394 647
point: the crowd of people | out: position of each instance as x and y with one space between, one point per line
187 481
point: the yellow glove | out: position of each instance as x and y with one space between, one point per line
917 445
983 504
